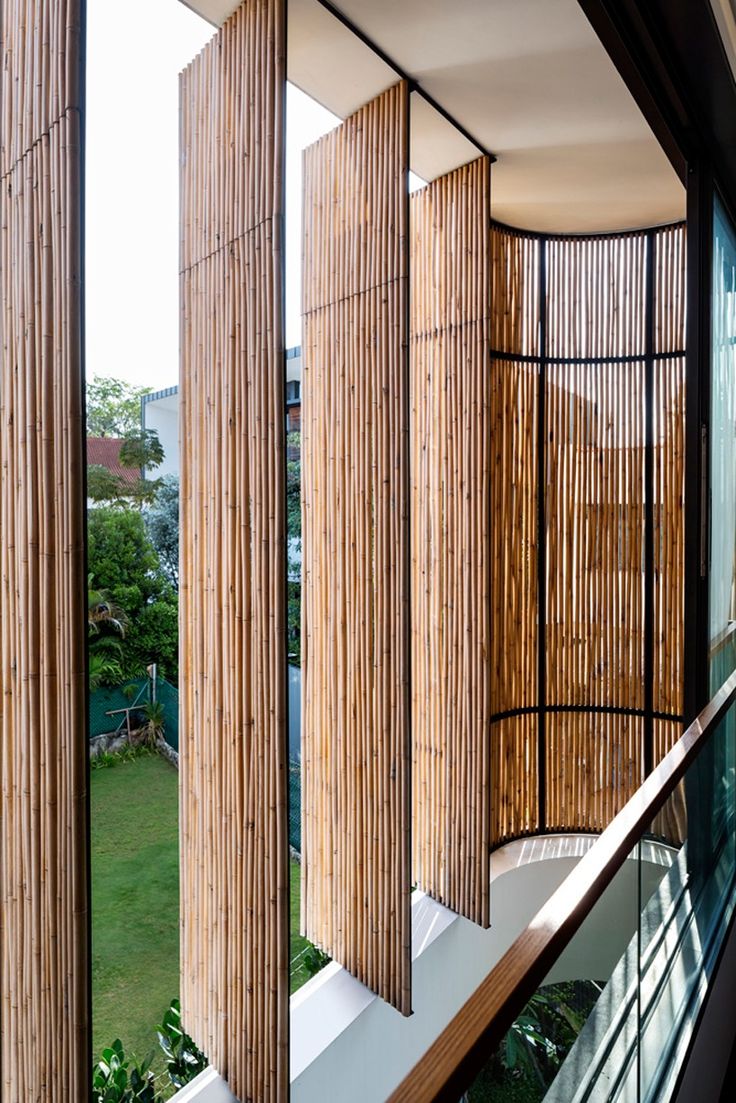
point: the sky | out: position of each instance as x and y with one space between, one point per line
134 55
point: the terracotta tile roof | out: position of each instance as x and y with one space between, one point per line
105 451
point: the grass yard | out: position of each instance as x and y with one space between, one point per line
299 973
135 901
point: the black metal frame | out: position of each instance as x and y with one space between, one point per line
648 358
697 422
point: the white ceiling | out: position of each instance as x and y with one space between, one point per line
527 78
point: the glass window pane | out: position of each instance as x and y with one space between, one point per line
722 601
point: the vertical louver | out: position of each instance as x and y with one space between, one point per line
43 738
234 883
356 757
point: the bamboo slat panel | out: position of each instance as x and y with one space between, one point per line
514 775
594 517
40 76
515 331
596 296
515 292
595 535
451 544
514 537
234 825
594 764
43 708
356 875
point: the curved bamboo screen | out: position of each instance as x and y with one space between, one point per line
588 404
43 761
234 824
451 542
355 654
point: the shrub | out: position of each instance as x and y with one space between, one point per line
115 1080
183 1059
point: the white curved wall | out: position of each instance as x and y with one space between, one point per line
347 1044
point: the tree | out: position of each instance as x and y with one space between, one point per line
106 628
162 526
113 407
140 448
127 569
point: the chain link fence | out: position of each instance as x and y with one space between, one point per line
295 805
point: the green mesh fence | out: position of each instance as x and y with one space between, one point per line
134 693
295 805
168 695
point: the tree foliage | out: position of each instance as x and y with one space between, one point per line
113 407
125 567
162 526
140 448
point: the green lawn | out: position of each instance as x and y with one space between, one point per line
298 973
135 901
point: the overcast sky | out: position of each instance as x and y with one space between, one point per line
134 55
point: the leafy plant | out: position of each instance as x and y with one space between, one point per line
104 669
529 1057
116 1080
126 753
162 526
127 571
183 1059
154 726
314 960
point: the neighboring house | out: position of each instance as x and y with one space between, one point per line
105 452
160 411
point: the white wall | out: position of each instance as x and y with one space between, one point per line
344 1047
162 414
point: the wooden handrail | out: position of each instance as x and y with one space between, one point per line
459 1053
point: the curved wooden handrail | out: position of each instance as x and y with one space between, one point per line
466 1043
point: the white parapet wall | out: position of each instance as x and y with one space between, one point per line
348 1045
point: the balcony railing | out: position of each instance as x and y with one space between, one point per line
641 1026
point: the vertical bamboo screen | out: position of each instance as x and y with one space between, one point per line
588 338
234 850
595 525
43 741
451 545
355 655
514 537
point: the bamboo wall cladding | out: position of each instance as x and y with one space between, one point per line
234 848
451 545
43 760
356 875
